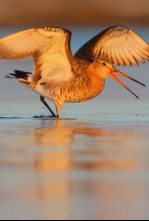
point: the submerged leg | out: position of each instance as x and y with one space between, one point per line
43 101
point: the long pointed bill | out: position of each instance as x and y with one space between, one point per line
123 75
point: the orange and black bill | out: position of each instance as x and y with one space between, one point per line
123 75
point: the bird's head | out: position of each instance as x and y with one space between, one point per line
104 68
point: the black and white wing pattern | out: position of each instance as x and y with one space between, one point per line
50 48
119 44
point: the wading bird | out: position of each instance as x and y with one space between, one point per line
64 78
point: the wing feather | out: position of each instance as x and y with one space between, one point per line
114 58
121 45
137 53
124 53
20 45
48 48
138 48
119 53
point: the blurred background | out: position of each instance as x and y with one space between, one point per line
73 12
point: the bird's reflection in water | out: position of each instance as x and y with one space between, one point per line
75 163
63 144
58 138
68 144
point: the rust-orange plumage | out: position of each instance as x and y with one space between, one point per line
64 78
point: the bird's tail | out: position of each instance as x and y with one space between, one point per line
21 77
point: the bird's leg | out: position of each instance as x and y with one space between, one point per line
58 108
43 101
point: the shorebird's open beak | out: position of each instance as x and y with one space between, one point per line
118 73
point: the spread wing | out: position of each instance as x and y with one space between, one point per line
119 44
50 48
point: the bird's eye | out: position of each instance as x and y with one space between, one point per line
104 64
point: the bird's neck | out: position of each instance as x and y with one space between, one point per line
96 81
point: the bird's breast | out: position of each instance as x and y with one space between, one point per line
80 89
83 88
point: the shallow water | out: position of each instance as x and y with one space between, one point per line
92 163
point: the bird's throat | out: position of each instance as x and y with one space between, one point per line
96 81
